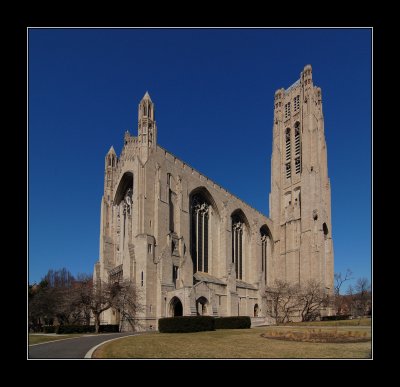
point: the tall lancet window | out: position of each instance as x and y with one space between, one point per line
127 209
297 148
238 227
123 203
287 145
288 153
265 241
200 209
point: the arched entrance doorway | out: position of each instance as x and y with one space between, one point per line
256 309
202 306
176 308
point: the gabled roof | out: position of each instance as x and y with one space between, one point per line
245 285
201 276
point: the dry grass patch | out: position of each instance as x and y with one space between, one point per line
319 335
226 344
354 322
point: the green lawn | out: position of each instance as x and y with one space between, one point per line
37 339
225 344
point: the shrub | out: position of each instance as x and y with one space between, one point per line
49 329
334 318
186 324
235 322
64 329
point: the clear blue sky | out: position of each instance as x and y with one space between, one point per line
213 90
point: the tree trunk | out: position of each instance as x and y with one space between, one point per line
97 322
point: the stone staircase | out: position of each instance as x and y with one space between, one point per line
261 321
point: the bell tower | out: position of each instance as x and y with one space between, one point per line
147 129
109 177
300 198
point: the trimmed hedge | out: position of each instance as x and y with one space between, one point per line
109 328
334 318
49 329
234 322
186 324
63 329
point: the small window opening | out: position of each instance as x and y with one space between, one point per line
287 110
296 103
288 171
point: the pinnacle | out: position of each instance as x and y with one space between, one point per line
147 96
112 150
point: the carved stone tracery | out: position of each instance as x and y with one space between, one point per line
200 206
127 205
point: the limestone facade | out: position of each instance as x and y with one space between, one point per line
190 246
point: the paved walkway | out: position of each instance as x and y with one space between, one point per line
75 348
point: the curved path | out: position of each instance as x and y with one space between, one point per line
74 348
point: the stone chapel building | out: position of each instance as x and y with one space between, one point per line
190 246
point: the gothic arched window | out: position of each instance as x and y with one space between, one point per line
238 227
200 208
123 201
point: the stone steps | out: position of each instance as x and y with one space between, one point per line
260 321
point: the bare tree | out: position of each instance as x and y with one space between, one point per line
74 301
61 278
363 286
97 298
360 297
312 299
363 295
127 303
341 301
284 301
275 296
83 312
52 298
291 301
64 300
340 279
352 298
102 296
41 305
